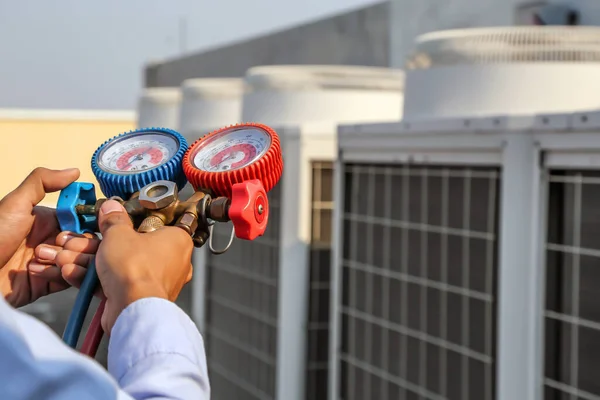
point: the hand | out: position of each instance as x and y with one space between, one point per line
23 226
130 265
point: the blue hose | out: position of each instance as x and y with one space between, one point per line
80 308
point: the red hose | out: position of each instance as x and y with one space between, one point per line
94 334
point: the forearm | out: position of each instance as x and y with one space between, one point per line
156 351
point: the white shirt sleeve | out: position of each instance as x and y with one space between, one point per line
155 351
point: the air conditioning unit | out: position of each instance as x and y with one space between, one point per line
459 245
513 70
267 301
159 106
207 104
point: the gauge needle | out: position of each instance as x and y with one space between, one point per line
233 154
227 157
138 157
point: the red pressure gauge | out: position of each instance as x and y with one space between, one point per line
233 155
242 162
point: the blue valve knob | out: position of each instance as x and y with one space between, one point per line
126 163
76 194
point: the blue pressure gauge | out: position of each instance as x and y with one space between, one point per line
128 162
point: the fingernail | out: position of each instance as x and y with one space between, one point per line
111 206
70 170
37 267
47 253
65 237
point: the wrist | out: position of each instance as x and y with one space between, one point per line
142 291
118 301
129 288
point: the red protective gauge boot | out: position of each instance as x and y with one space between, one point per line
232 155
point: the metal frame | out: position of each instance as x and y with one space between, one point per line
519 333
199 288
322 205
518 145
301 146
335 291
457 143
575 147
573 143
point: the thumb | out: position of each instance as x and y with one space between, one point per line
112 214
39 182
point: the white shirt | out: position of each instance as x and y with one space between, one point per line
155 352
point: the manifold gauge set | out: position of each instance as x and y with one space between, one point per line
231 170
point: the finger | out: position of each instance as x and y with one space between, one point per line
68 234
85 234
73 274
66 257
46 252
80 243
39 182
112 214
49 272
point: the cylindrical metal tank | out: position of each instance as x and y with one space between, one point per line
503 71
297 94
208 104
159 107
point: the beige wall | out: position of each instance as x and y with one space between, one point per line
54 140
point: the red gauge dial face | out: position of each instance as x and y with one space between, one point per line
233 157
232 149
138 153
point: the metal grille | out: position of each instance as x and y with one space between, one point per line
418 282
320 273
506 45
572 315
241 312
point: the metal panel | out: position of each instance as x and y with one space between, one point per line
319 284
572 316
418 281
520 276
241 312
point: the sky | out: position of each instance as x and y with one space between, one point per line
90 54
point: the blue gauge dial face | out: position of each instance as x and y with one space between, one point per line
131 154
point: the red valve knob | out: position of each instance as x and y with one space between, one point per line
249 209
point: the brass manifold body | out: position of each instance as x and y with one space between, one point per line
158 204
